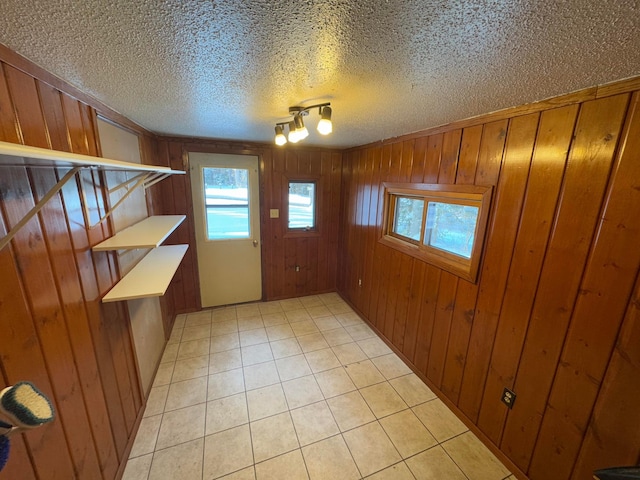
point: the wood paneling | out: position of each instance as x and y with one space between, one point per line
554 314
604 290
507 201
545 177
551 315
56 332
315 254
612 436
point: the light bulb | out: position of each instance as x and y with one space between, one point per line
325 127
301 130
294 136
280 138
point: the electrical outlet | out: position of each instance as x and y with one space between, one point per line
508 397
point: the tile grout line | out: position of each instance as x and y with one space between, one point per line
295 430
295 337
206 406
452 459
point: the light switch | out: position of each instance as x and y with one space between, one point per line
274 213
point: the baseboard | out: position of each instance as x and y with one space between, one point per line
500 455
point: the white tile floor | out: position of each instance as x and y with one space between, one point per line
296 389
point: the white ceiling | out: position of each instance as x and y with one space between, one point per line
230 69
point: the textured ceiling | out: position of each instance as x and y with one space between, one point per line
230 69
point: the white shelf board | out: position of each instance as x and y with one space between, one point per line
147 233
150 277
22 155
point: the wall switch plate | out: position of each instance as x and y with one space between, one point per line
508 397
274 213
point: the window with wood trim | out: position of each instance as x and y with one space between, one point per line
444 225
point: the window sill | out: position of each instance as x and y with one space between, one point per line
455 267
301 234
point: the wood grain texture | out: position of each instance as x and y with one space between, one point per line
46 446
582 191
466 292
562 325
441 326
448 282
545 176
556 277
572 98
487 170
613 436
604 290
317 257
22 89
78 353
497 257
74 333
9 126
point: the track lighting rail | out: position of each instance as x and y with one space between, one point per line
297 130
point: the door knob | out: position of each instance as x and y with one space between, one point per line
255 243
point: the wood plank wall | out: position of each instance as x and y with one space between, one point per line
55 331
316 255
555 313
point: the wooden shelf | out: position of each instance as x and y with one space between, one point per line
148 233
150 277
25 156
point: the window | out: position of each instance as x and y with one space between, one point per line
441 224
451 227
226 197
301 214
408 217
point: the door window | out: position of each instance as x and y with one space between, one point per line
226 195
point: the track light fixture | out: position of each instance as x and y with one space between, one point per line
297 130
280 138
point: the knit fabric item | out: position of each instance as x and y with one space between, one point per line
5 428
4 451
25 406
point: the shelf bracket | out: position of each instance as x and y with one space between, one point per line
155 178
129 181
139 179
4 241
16 155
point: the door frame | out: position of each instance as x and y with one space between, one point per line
203 148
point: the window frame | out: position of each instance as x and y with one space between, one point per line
470 195
393 203
302 231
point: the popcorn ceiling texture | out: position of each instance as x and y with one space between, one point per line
230 69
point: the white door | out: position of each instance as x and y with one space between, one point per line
226 206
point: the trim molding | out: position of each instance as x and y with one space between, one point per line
591 93
579 96
452 406
25 65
